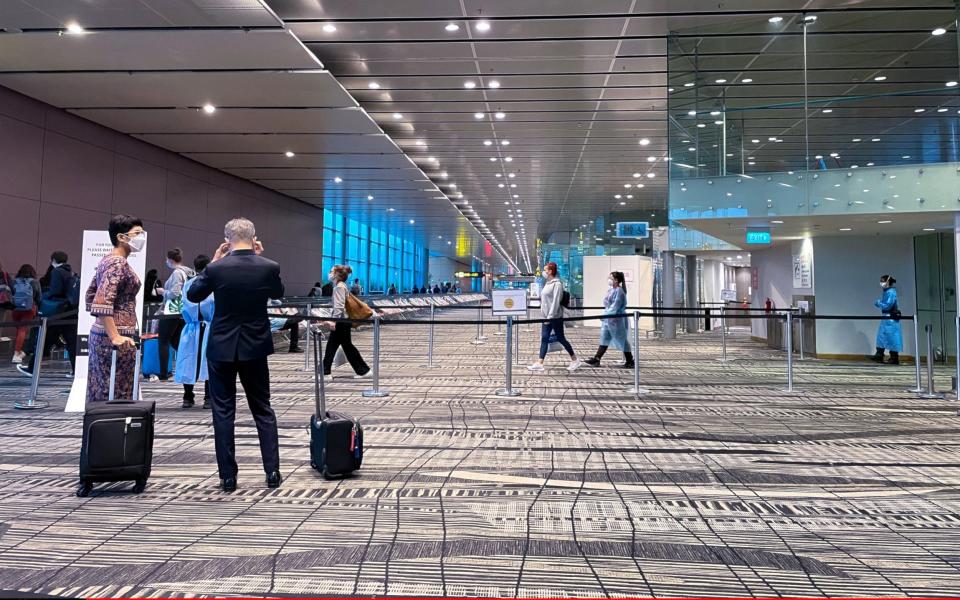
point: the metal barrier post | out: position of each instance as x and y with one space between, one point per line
306 353
956 333
800 331
516 344
508 372
32 401
636 389
789 332
930 392
430 336
723 333
376 392
916 351
480 337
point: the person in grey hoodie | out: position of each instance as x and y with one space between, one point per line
551 296
168 330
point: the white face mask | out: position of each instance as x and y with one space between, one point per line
137 243
610 282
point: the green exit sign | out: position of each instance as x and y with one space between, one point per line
758 236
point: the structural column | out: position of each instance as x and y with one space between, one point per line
693 288
668 280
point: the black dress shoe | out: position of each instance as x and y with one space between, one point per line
593 361
274 479
188 402
229 484
206 403
295 350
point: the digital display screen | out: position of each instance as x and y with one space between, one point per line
633 229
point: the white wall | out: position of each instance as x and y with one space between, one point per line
442 268
712 273
775 274
848 271
638 270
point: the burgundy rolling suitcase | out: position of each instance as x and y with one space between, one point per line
117 438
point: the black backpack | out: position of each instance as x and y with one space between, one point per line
565 299
73 292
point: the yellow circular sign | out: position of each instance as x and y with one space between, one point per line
508 302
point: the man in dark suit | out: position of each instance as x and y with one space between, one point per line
240 341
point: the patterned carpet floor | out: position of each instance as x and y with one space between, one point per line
715 483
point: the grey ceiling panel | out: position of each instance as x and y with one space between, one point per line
310 88
229 161
52 14
279 143
132 50
234 120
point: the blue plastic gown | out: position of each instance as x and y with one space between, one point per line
613 332
888 334
190 339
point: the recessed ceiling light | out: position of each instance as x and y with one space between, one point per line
74 28
487 143
939 31
880 78
777 222
617 196
443 175
482 26
701 125
289 154
846 229
818 157
498 175
623 204
718 122
452 27
810 18
513 185
929 228
691 113
637 175
329 27
869 164
391 209
628 185
369 197
412 221
775 19
516 195
493 84
919 110
951 84
941 110
499 115
651 159
629 197
747 80
721 80
505 143
373 85
856 140
209 108
689 84
469 84
644 142
827 111
714 113
508 159
883 222
337 180
834 155
651 175
906 156
511 175
493 159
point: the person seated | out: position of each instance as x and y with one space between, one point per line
279 321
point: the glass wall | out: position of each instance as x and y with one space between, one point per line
378 259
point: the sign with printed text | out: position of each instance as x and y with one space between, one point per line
96 245
759 236
509 303
632 229
802 271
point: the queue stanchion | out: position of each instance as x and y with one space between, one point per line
376 392
508 390
636 390
800 331
306 354
956 334
789 334
723 334
430 337
516 343
916 355
481 339
930 393
319 389
32 402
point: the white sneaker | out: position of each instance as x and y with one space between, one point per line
328 377
153 378
17 357
366 375
537 367
574 365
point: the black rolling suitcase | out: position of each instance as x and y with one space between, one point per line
336 439
117 438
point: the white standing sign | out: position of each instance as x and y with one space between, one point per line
509 303
96 245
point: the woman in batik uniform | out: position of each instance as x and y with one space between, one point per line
112 299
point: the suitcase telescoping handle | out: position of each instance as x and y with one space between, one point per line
136 372
319 391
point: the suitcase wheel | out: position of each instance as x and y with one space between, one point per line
326 474
84 490
139 486
313 465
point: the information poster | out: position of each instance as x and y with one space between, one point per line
509 303
96 245
802 271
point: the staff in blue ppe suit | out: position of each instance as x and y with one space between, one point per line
192 352
888 334
613 332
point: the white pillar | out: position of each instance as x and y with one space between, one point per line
693 293
669 281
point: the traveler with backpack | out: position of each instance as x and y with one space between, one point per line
26 299
62 295
552 296
168 330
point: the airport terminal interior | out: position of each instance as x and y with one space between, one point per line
742 216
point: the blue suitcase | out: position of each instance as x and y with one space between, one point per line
151 357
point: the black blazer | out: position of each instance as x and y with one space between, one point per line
242 282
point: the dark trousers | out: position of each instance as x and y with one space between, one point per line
168 333
340 336
293 326
54 334
555 326
255 379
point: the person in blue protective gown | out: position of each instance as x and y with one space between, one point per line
192 350
613 332
889 337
